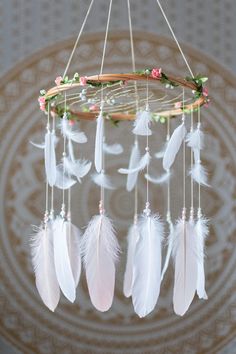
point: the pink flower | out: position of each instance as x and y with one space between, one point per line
71 122
42 107
156 73
178 104
83 80
41 100
58 80
205 92
94 107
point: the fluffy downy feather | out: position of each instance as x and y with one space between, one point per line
133 236
133 161
62 259
73 244
147 265
71 134
142 123
50 158
143 162
77 168
185 261
199 174
202 232
195 139
169 249
159 180
173 146
44 268
100 251
99 143
103 180
62 180
115 149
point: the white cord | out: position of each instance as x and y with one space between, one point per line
106 34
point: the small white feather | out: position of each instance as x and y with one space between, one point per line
73 244
100 252
103 180
199 174
133 236
160 154
115 149
159 180
185 260
202 232
134 159
143 162
44 268
173 146
62 180
77 168
50 158
62 260
147 265
169 249
142 123
71 134
195 139
99 143
39 146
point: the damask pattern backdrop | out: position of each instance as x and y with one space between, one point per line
35 41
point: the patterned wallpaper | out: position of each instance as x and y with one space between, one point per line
39 26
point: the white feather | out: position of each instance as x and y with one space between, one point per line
134 159
62 180
73 244
62 259
173 146
143 162
102 180
71 134
160 154
50 158
195 139
44 268
147 265
100 252
133 236
199 174
71 150
77 168
202 232
99 143
142 123
115 149
159 180
39 146
169 249
185 260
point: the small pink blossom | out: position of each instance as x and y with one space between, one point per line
156 73
94 107
41 100
178 104
58 80
42 107
83 80
205 92
71 122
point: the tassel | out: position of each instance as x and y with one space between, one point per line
159 180
169 249
63 181
142 123
147 265
44 268
185 260
133 236
134 159
143 162
173 146
99 143
115 149
74 135
50 158
77 168
160 154
199 174
62 258
100 252
202 232
102 180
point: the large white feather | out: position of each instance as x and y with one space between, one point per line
143 162
173 146
71 134
100 252
44 268
103 180
62 180
202 232
147 265
199 174
115 149
99 143
62 259
185 260
133 236
134 159
169 249
73 244
77 168
71 150
159 180
142 123
195 139
50 158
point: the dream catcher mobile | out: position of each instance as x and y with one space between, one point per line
58 248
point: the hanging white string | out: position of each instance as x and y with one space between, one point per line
184 164
147 209
77 39
64 169
47 185
168 212
175 38
105 41
199 184
191 182
52 188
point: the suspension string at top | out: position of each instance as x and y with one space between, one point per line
77 39
106 35
175 38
